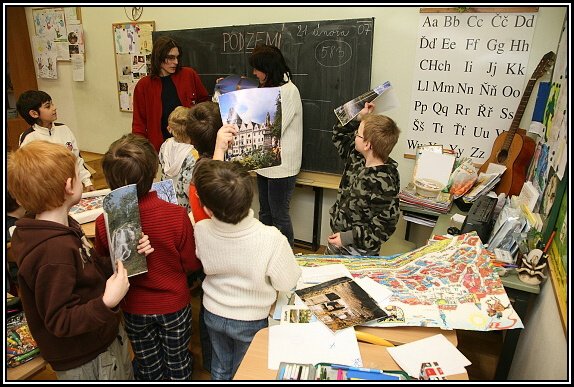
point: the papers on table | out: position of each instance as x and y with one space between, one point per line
381 294
312 343
436 348
434 166
318 274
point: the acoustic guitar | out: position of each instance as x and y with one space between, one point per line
513 148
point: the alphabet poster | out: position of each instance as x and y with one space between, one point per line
469 77
132 45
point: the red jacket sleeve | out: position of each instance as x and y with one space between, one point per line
139 121
187 246
202 94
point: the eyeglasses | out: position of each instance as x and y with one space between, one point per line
171 58
358 135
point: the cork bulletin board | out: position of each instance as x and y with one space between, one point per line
132 49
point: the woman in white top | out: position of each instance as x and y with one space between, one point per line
276 184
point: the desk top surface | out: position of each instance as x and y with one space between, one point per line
317 179
254 364
24 371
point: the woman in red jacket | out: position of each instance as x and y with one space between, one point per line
169 85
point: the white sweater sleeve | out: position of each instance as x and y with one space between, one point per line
283 270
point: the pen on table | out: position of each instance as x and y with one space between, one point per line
360 369
281 372
299 373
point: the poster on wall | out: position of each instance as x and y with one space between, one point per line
132 45
469 77
57 31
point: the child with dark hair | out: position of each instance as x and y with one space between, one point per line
245 262
203 126
38 110
69 292
156 310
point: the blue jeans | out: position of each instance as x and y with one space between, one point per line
229 341
274 199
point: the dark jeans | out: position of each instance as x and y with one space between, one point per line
274 199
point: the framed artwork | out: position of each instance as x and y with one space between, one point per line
132 48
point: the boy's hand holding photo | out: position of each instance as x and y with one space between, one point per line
369 107
225 137
116 286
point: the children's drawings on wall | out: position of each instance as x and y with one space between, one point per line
132 44
57 35
448 284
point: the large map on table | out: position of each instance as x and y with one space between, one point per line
448 284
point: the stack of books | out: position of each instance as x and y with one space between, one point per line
441 204
484 184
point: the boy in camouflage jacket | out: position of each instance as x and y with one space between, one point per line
367 208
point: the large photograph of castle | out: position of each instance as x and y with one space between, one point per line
256 114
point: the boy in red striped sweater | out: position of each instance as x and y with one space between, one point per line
156 308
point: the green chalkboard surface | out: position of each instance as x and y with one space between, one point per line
330 61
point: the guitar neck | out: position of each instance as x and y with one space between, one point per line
518 115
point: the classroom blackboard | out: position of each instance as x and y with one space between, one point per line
330 61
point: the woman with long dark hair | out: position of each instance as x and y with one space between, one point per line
169 85
276 184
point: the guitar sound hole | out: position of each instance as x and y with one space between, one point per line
502 155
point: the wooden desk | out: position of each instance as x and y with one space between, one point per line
24 371
318 181
89 229
254 364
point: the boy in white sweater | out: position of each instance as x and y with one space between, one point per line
245 262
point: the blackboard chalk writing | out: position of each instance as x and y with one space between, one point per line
329 31
333 53
330 62
242 41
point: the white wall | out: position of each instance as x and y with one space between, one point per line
90 108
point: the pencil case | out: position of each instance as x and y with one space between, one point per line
329 371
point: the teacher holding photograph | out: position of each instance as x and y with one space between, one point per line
169 85
276 184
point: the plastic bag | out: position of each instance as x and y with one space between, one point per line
463 178
20 345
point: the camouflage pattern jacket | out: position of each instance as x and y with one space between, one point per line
367 207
